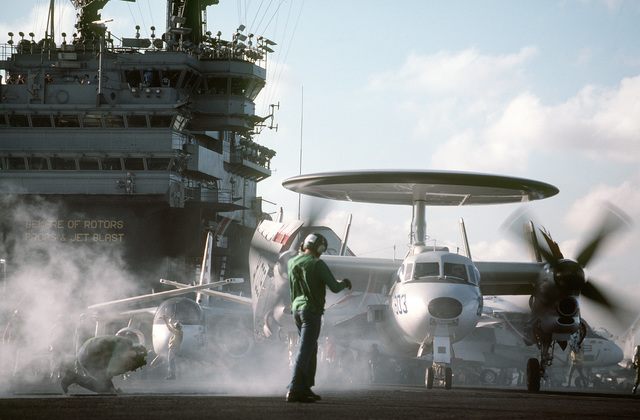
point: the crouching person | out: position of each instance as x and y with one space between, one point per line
100 359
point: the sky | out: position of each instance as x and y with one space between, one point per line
546 90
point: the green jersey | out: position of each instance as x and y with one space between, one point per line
308 278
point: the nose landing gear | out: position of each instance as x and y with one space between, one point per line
440 374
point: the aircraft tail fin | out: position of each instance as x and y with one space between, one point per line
465 240
205 269
213 240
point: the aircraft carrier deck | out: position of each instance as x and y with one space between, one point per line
185 399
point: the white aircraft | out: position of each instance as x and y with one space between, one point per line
222 325
496 348
420 305
554 284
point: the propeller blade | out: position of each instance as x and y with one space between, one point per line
316 209
521 219
548 257
553 245
613 219
590 291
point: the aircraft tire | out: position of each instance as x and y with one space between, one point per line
428 378
488 376
448 376
533 375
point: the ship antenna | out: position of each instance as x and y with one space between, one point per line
301 125
50 22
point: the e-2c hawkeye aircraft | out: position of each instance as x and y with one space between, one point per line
554 284
497 348
420 305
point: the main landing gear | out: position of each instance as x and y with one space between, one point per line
534 375
441 374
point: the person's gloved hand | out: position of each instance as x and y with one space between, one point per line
347 283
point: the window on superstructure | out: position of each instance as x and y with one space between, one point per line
88 163
191 81
171 78
17 120
3 121
15 163
133 77
37 163
163 121
239 86
41 121
253 89
114 121
158 164
217 85
137 121
92 120
67 121
111 164
63 163
134 164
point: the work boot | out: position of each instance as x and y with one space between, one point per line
69 378
303 397
314 395
170 377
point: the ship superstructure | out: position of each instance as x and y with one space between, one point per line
143 143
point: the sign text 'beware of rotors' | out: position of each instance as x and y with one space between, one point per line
74 230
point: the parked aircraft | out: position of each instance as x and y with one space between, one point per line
222 325
554 284
496 348
420 305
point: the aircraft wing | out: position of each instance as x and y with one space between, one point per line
147 300
223 295
497 310
508 278
368 275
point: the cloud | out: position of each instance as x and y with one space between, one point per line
468 72
35 20
596 124
482 104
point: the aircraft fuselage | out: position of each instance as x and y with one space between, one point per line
435 294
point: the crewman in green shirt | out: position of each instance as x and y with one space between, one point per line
309 277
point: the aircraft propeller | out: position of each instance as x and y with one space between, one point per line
569 274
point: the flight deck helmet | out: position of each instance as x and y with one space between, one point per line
315 242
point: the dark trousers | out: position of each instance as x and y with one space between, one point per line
101 384
304 370
96 378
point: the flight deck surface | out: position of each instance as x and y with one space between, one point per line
184 399
436 188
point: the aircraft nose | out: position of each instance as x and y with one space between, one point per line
445 307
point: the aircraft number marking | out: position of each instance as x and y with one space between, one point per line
400 304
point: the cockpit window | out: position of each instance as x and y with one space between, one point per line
407 271
473 275
430 269
183 310
458 271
